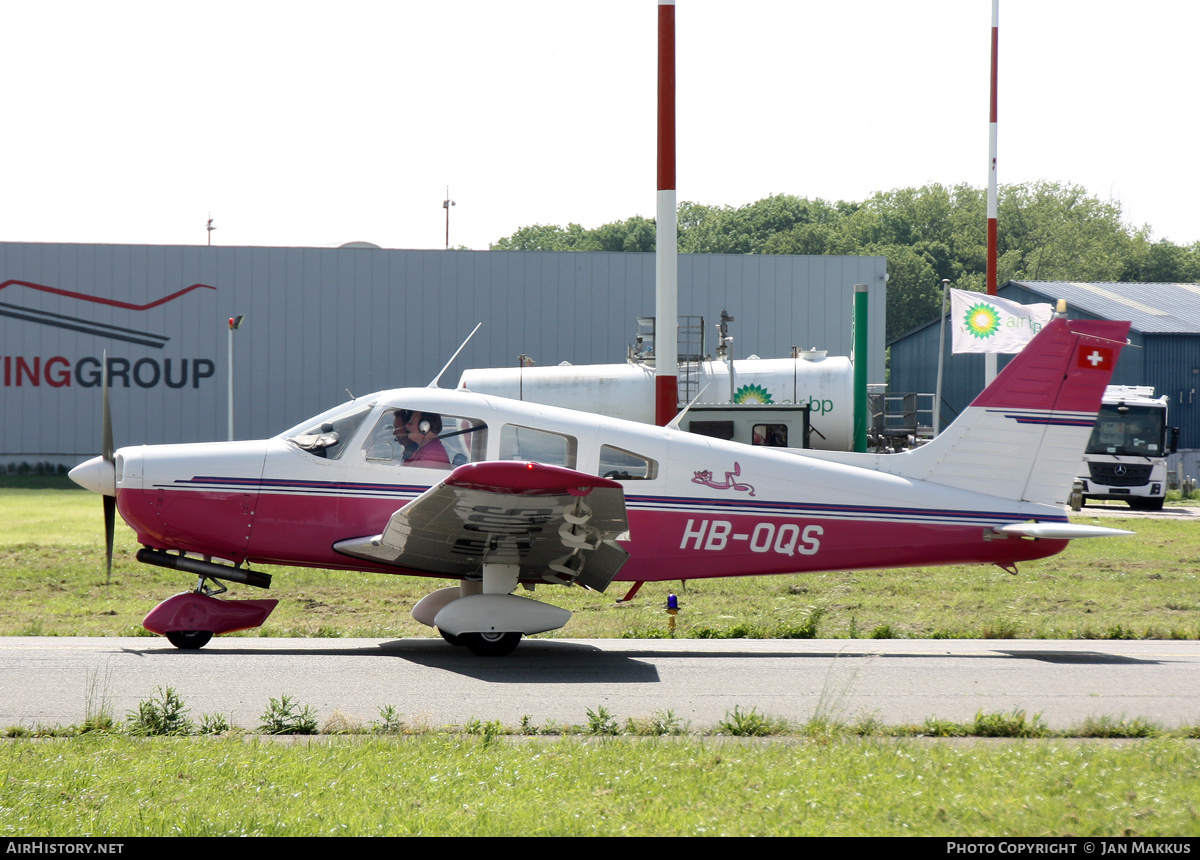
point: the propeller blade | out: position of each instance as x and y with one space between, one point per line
106 431
107 452
110 522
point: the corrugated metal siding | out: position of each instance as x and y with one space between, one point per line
1172 365
320 321
1152 308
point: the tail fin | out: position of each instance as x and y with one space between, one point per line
1023 437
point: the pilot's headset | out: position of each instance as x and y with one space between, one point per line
431 422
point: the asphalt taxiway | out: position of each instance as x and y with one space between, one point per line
55 681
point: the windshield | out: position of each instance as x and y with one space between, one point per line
327 434
1128 430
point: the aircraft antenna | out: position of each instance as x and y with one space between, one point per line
434 383
673 424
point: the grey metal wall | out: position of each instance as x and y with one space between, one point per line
323 320
1172 366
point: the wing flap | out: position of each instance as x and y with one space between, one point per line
555 523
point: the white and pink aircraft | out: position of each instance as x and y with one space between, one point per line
501 494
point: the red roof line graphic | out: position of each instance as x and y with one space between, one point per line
112 302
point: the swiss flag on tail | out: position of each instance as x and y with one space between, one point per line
1095 357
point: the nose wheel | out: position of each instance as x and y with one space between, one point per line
189 640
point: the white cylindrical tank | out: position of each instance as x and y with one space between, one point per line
627 390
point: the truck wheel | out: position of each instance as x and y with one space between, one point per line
1146 504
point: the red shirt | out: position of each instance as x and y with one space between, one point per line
431 455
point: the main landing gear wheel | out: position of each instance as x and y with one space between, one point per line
451 638
490 644
189 640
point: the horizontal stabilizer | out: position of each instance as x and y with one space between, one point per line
1059 531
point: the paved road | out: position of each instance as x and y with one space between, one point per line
1169 512
51 680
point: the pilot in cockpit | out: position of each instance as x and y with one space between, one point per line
400 419
418 433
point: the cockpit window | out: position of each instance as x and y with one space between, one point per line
430 440
622 465
542 446
327 434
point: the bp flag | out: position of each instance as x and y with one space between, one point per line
984 323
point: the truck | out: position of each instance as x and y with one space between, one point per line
1126 456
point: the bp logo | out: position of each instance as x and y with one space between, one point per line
982 321
752 394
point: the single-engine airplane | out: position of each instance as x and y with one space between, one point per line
500 494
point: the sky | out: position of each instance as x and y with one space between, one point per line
315 124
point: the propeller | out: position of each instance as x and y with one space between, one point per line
99 474
108 455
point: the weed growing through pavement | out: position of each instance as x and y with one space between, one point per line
97 710
284 716
162 714
601 722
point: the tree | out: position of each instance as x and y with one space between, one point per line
1064 234
541 237
1047 231
633 234
1167 263
748 229
914 294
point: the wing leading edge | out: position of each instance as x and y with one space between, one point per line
556 524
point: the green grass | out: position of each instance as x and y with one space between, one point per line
1145 586
115 786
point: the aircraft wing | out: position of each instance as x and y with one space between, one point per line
557 524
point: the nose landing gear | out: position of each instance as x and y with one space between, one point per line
191 619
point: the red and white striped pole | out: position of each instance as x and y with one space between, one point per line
666 254
992 206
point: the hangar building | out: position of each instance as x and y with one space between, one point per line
320 322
